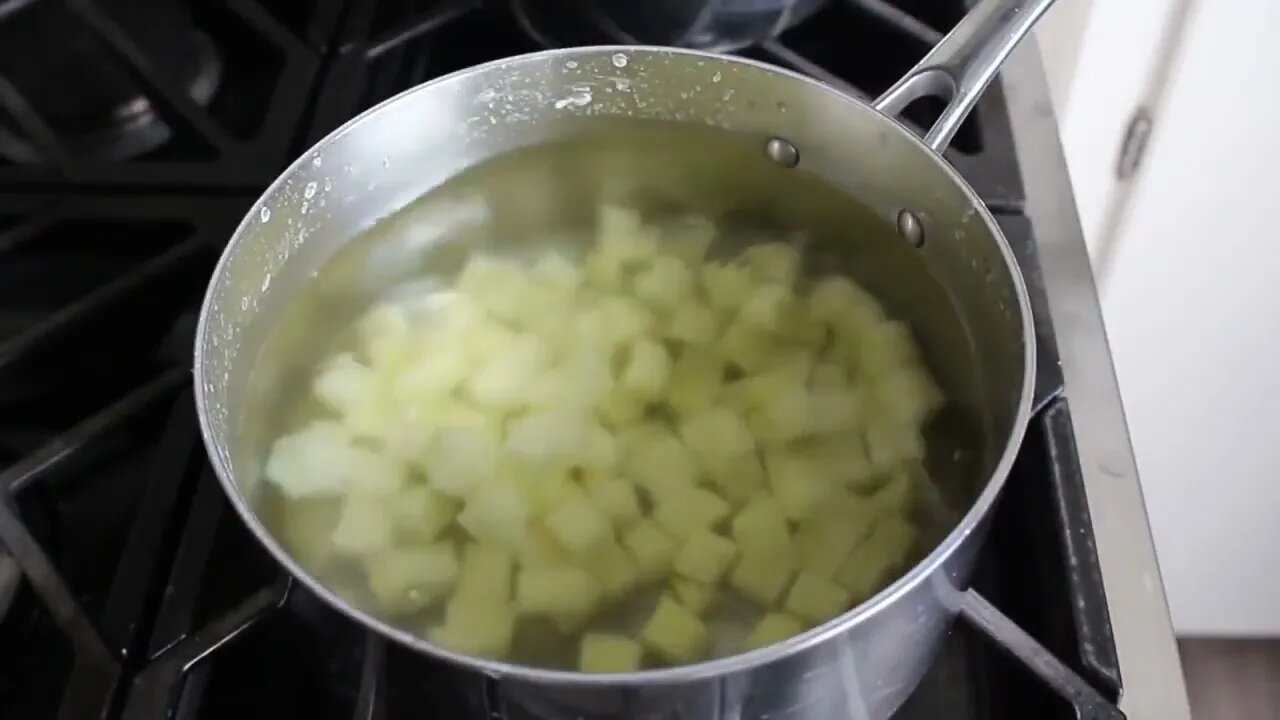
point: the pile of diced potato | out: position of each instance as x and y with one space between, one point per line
555 436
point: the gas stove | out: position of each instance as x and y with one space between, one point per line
128 587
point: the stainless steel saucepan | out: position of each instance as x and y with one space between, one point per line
880 203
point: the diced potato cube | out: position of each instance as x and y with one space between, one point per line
826 539
497 285
554 435
556 591
697 596
675 633
683 512
828 376
797 482
460 458
873 564
705 556
653 549
619 320
727 285
409 438
599 451
306 525
409 579
614 497
347 386
745 346
498 514
844 461
894 537
773 628
313 462
843 303
570 624
689 237
452 315
716 436
486 339
834 411
889 445
696 378
658 462
616 570
558 272
760 529
485 573
898 496
374 473
433 373
647 370
621 233
578 525
604 271
665 284
799 327
740 479
364 527
581 381
781 417
541 549
420 514
544 487
761 578
906 395
785 375
620 408
386 337
863 573
692 323
482 628
773 262
767 307
502 381
887 346
816 598
604 653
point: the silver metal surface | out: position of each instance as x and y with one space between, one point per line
782 152
963 297
910 228
961 66
1145 643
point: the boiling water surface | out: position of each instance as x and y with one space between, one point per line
524 202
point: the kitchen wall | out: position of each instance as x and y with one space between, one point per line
1185 250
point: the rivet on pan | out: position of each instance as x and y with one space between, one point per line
782 152
910 228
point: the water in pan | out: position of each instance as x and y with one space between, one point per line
552 191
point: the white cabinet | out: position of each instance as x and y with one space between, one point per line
1190 275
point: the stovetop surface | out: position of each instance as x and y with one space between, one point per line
141 595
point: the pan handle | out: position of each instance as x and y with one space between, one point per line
961 66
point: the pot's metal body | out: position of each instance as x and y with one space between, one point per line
860 665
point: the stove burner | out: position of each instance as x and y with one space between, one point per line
77 90
563 23
721 27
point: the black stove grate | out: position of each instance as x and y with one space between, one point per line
270 55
